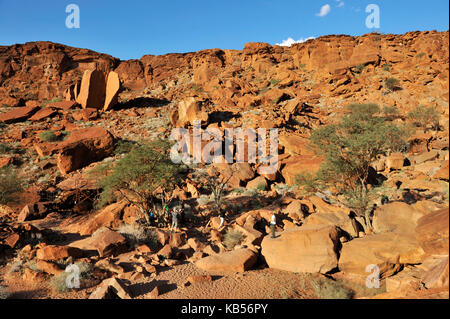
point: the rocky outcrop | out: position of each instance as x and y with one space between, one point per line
238 260
312 249
432 232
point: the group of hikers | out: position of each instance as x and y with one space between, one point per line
174 217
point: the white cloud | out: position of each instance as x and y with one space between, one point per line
289 41
340 3
324 10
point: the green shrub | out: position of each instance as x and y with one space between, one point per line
10 185
123 147
232 238
423 116
4 148
359 68
392 84
387 67
48 136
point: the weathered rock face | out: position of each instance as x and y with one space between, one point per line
92 91
312 249
397 217
238 260
386 250
188 111
299 164
432 232
44 70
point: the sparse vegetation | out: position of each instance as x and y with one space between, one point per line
48 136
54 100
275 81
123 147
423 116
137 235
4 293
232 238
59 281
359 68
5 149
10 184
420 55
328 289
391 113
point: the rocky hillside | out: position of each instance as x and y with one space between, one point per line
64 111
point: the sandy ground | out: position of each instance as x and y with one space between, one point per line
255 284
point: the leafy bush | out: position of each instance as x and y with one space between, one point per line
424 117
392 84
232 238
10 185
48 136
387 67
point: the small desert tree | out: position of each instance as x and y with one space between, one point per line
141 175
10 184
348 148
216 183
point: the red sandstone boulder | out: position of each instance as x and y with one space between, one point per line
83 147
238 260
93 87
53 253
432 232
18 114
310 249
112 90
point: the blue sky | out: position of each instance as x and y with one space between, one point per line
129 29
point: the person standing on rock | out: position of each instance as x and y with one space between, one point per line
167 215
174 219
273 224
222 218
